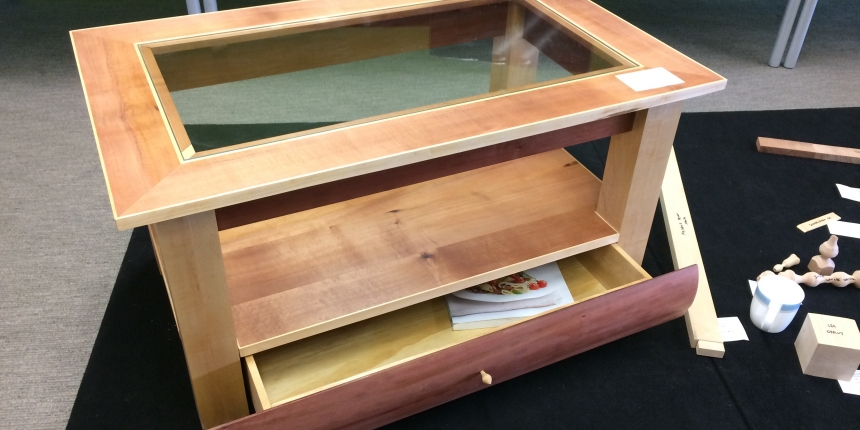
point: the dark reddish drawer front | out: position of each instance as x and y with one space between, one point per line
445 375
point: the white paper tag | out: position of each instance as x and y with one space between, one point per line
731 329
842 228
848 192
818 222
753 286
852 386
649 79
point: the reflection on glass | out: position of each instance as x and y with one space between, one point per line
240 89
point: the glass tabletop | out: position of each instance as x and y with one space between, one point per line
238 90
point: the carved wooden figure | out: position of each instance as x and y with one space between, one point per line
823 264
765 273
810 279
842 279
791 261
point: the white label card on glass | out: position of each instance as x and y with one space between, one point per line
731 329
649 79
852 386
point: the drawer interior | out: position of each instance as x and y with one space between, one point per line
315 363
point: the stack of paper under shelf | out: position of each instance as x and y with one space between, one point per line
508 299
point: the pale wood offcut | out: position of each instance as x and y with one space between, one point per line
702 327
808 150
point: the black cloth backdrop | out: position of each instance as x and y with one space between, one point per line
745 206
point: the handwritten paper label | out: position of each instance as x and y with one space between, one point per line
848 192
842 228
818 222
852 386
731 329
649 79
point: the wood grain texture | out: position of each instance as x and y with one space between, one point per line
701 318
148 184
313 364
301 274
433 379
634 171
193 270
808 150
611 266
828 347
346 189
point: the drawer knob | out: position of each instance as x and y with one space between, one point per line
486 378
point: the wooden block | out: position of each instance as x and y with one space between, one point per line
808 150
710 349
821 265
701 318
828 347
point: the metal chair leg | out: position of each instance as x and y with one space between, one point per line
210 5
784 32
799 33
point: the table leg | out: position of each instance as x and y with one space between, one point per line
634 173
799 33
784 32
191 262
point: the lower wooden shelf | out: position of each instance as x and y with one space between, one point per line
411 359
305 273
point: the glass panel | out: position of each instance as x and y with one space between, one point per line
237 89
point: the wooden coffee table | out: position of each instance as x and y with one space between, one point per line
315 175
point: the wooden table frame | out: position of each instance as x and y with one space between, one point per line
153 181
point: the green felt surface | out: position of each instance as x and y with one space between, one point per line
213 136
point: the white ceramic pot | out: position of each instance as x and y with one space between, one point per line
775 303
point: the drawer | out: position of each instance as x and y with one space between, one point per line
385 368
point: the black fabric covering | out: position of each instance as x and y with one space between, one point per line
745 206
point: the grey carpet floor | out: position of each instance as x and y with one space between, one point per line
59 249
